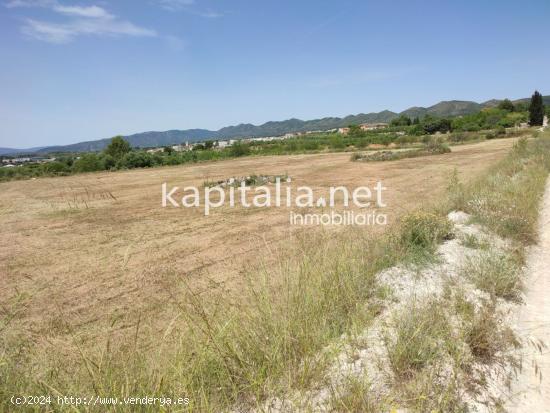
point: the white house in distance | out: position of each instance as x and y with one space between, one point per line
364 127
373 126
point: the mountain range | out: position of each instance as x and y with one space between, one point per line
273 128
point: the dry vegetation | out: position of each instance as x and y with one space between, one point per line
106 293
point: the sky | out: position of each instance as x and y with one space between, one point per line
77 70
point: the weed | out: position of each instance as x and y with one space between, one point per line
418 332
495 273
424 230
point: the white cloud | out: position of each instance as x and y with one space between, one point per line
30 3
174 5
187 6
209 13
83 20
67 32
46 31
91 11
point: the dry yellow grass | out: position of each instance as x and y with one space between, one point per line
86 248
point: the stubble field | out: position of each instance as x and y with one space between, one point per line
97 251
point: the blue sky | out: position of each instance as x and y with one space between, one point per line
74 70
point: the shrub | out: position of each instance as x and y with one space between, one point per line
424 230
457 137
136 159
437 146
240 149
356 156
336 142
56 168
108 162
483 332
89 162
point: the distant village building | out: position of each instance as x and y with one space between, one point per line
21 160
373 126
343 131
182 147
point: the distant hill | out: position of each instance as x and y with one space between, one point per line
11 151
273 128
444 109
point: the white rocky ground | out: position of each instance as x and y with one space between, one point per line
366 355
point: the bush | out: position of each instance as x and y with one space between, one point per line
240 149
56 168
356 156
424 230
457 137
136 159
108 162
484 333
336 142
437 146
500 131
89 162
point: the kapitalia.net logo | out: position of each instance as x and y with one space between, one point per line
360 205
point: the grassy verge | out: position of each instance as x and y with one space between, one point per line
440 350
507 199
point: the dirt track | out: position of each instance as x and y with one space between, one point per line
532 389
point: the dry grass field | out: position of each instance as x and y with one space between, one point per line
90 249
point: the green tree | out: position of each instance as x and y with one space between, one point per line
402 120
355 131
89 162
118 148
536 110
136 159
507 104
